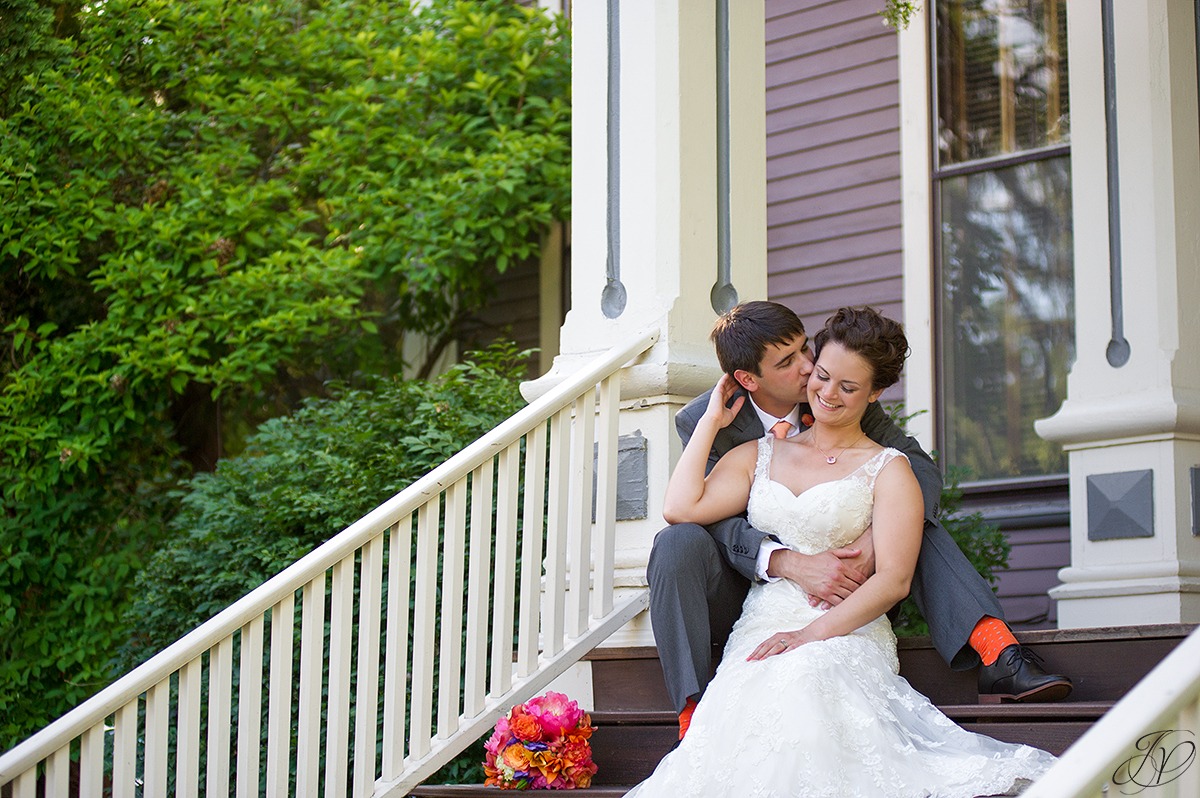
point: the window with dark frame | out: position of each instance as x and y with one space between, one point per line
1003 243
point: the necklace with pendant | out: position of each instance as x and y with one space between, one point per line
832 459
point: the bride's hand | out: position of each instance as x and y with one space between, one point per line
717 411
778 643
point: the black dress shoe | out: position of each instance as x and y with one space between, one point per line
1017 675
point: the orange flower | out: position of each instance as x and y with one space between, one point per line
524 726
581 732
549 764
517 757
575 754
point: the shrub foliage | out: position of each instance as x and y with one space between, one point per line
211 210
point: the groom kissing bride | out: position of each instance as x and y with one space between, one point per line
841 524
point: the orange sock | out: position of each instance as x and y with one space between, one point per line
989 637
685 717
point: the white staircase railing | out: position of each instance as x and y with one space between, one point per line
373 618
1145 745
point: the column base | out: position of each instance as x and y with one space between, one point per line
1084 602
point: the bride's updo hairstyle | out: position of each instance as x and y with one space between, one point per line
870 335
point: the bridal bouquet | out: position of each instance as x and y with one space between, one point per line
541 745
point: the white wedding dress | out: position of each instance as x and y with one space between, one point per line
831 718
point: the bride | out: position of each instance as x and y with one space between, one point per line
808 702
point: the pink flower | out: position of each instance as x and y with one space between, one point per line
556 713
499 737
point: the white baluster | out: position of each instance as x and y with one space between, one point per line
187 741
606 495
479 590
531 550
424 641
337 723
158 708
366 700
58 773
91 762
557 532
125 733
580 539
279 699
312 671
249 754
450 663
395 669
220 692
506 565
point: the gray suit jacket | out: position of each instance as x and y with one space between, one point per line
738 539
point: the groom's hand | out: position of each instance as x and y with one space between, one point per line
828 578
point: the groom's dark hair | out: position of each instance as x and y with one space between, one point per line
742 335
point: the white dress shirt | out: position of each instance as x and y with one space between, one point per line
769 546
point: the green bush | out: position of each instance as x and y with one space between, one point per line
984 544
210 211
302 479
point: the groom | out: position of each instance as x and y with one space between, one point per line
699 576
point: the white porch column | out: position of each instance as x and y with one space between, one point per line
659 176
1131 421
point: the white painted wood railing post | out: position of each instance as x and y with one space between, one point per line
337 705
366 699
279 701
187 743
395 678
531 551
249 750
125 750
424 643
606 498
579 539
220 699
154 774
479 590
558 513
91 762
450 652
58 773
312 661
505 570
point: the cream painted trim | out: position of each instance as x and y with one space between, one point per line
550 289
917 226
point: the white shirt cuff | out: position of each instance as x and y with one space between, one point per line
765 551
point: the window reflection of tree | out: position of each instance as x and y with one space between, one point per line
1007 314
1006 239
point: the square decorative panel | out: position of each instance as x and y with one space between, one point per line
1120 505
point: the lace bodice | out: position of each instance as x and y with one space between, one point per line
826 516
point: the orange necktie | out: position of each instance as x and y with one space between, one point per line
780 430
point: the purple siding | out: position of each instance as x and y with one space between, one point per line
833 225
833 158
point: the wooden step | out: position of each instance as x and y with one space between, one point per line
471 790
1104 663
636 725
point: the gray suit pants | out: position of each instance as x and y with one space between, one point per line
695 597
